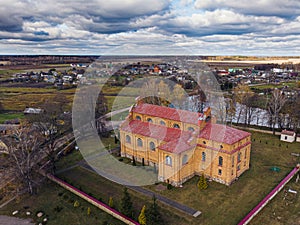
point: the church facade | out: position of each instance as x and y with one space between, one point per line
180 144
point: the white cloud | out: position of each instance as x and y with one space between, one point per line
150 27
259 7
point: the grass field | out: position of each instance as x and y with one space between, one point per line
291 84
102 189
283 209
221 203
18 98
58 206
120 103
9 116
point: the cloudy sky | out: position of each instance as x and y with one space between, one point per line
204 27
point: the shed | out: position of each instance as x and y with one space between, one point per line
287 136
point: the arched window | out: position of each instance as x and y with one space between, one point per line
221 146
138 118
220 161
203 156
191 129
220 172
232 161
139 142
239 156
150 120
152 146
176 125
184 159
204 142
128 139
162 123
168 161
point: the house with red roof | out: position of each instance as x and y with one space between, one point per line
287 136
180 144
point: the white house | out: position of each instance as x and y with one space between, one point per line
288 136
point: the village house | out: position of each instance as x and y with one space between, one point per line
287 136
180 144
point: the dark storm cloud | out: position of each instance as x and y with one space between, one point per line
11 24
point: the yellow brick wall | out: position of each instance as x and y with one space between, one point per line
177 173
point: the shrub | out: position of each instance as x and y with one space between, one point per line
76 204
202 184
111 202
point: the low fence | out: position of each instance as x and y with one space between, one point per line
269 197
93 201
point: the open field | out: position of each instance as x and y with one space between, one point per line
120 103
255 60
19 101
271 86
102 189
9 116
283 209
221 203
58 206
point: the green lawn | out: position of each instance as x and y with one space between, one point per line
120 116
103 189
283 209
220 203
89 149
291 84
119 102
58 206
10 116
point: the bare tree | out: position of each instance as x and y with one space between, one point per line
52 123
242 94
24 157
274 106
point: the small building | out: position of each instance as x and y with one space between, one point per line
32 111
287 136
298 138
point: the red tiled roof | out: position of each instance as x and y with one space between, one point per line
222 133
287 132
167 113
176 146
177 140
155 131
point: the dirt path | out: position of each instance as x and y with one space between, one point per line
8 220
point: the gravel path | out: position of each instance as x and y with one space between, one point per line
8 220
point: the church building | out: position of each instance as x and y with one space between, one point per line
180 144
